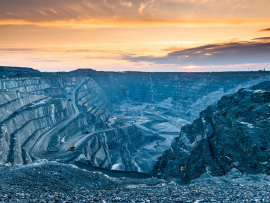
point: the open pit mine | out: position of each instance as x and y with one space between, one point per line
94 130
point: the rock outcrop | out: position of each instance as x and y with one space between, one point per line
234 133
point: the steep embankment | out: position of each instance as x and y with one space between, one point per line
234 133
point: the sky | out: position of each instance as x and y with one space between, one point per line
136 35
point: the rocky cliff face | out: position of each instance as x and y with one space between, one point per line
234 133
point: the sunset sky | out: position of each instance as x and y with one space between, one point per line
136 35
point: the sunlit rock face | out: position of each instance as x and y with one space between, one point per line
234 133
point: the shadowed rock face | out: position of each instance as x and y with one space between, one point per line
234 133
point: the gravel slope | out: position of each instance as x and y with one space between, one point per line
55 182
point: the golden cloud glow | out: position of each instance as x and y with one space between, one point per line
127 23
190 67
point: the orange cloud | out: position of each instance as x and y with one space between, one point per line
263 30
171 49
262 39
215 54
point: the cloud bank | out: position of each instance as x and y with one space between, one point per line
215 54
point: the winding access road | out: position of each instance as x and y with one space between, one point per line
64 149
40 148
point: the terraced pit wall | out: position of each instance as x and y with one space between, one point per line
32 107
29 107
21 120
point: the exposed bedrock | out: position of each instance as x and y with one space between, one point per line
234 133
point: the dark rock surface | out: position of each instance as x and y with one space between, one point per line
234 133
53 176
54 182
